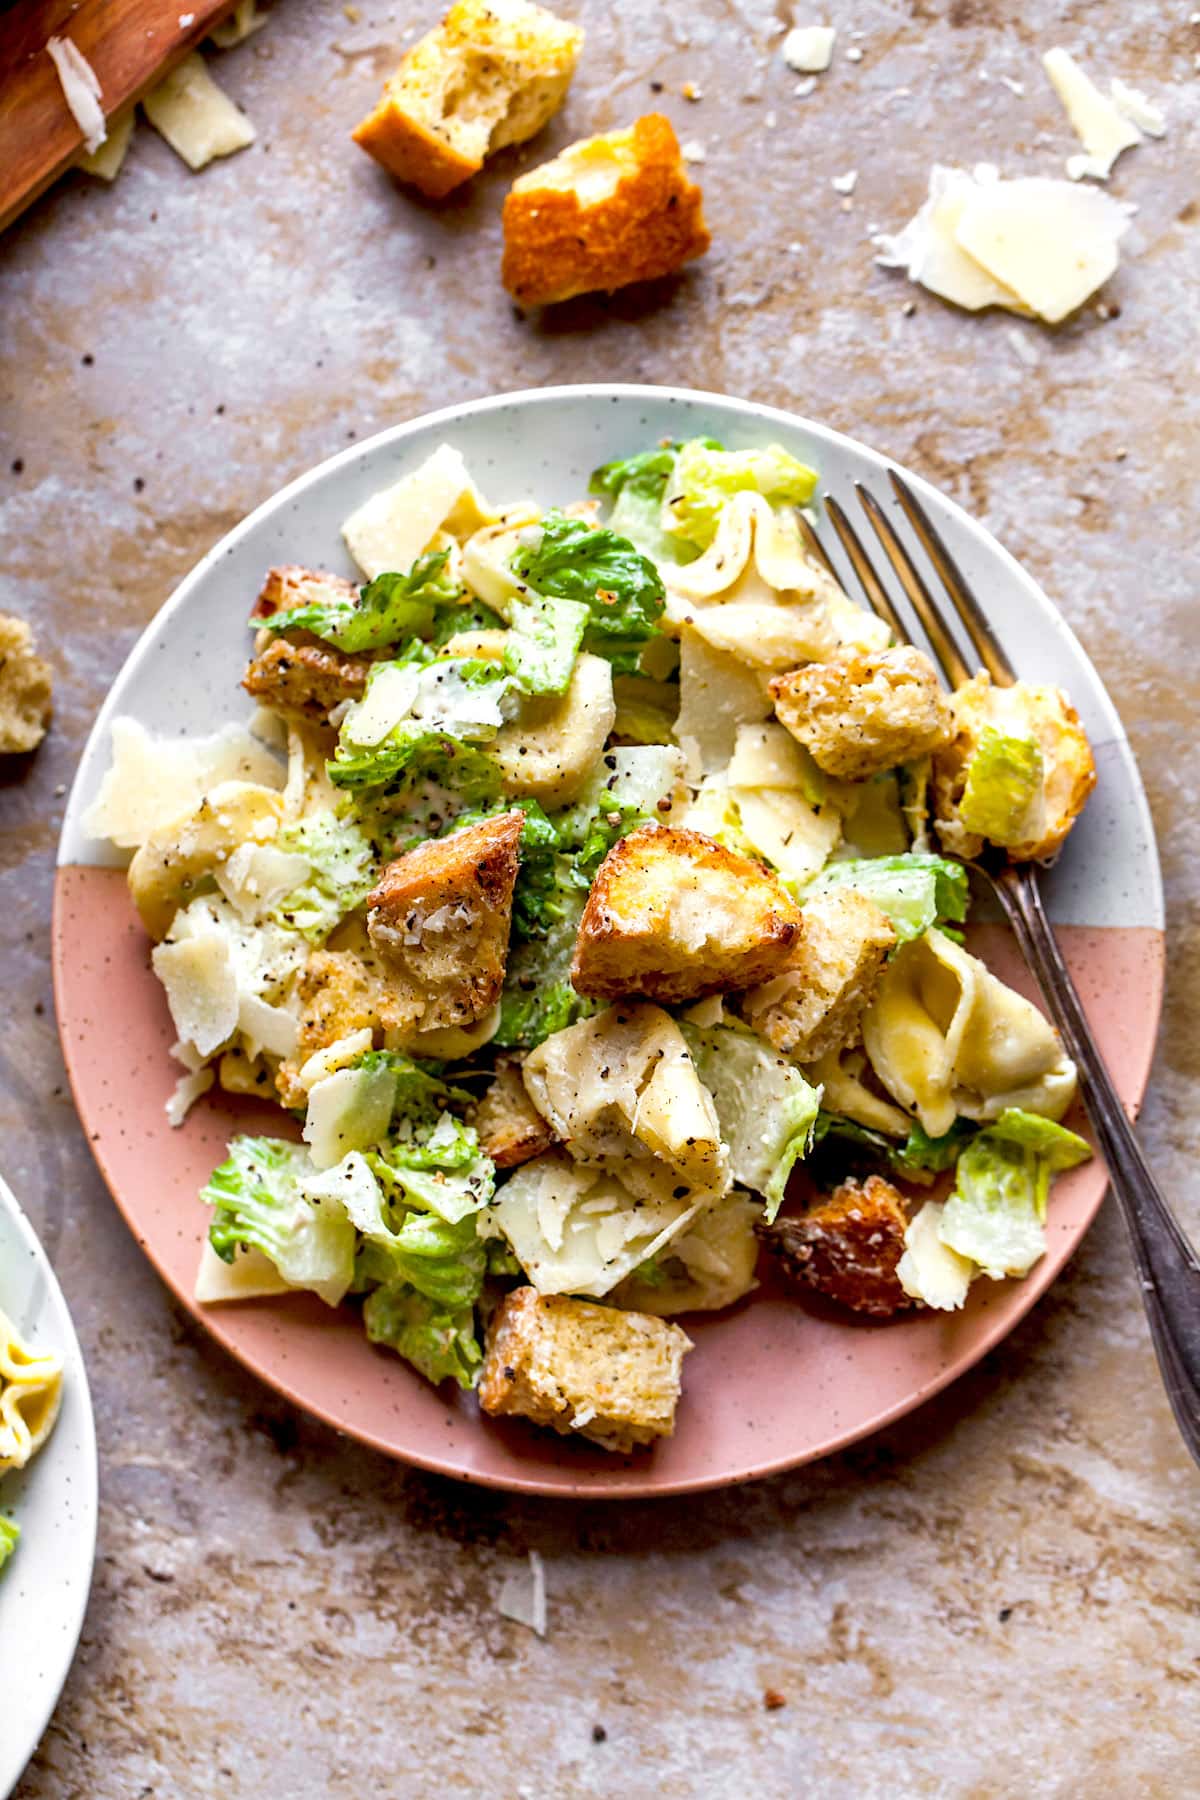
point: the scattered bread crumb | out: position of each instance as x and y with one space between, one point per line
25 689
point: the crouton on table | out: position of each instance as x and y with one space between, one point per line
511 1129
25 682
815 1003
492 73
611 1376
297 674
606 212
864 711
439 920
674 915
847 1247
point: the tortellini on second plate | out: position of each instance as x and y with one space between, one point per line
30 1396
946 1037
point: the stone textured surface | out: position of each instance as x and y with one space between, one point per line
996 1597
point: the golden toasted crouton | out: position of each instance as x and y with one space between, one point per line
340 993
673 915
296 673
492 73
290 585
25 682
865 710
847 1247
511 1129
440 918
1067 776
606 212
815 1003
611 1376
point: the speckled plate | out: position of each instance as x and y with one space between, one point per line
44 1588
771 1384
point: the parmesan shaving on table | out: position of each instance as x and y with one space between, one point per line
243 22
197 118
81 90
1102 129
106 161
808 49
523 1596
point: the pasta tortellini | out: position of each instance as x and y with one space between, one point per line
30 1396
945 1037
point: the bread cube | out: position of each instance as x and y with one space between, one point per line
674 915
816 1001
291 584
864 711
340 992
511 1129
606 212
848 1247
610 1376
25 683
296 674
491 74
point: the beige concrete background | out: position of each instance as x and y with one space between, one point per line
996 1597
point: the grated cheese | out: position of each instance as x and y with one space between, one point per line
195 116
250 1276
81 91
1102 130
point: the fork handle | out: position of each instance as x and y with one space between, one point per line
1167 1265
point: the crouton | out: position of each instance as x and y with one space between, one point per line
606 212
25 683
611 1376
492 73
814 1004
290 585
673 915
511 1129
1066 777
440 919
847 1247
865 710
340 992
296 673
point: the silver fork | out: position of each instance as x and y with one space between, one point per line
1167 1265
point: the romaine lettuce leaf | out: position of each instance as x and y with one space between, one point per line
929 1269
646 473
1004 778
538 998
540 650
996 1213
10 1534
850 1145
443 1171
703 479
390 608
915 891
344 866
257 1201
439 1341
621 588
443 1260
766 1109
420 722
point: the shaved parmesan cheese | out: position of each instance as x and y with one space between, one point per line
153 781
845 184
197 118
523 1594
1100 127
796 838
81 90
768 756
266 1027
250 1276
717 693
393 527
929 253
929 1270
106 161
1133 103
348 1111
1051 243
336 1056
257 875
201 988
243 21
808 49
186 1092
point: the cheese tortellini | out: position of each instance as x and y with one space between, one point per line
945 1037
30 1396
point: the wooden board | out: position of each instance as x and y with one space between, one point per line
130 44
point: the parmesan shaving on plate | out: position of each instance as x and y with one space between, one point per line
1101 128
81 90
523 1595
197 118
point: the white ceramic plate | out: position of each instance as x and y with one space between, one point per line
774 1382
44 1588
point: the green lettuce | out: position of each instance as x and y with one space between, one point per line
918 1158
442 1171
703 479
996 1214
766 1110
915 891
257 1201
1004 777
412 755
590 564
540 650
443 1260
390 608
538 999
344 861
438 1340
10 1534
420 720
468 613
646 473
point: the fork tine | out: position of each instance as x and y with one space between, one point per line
953 663
877 595
983 641
814 546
